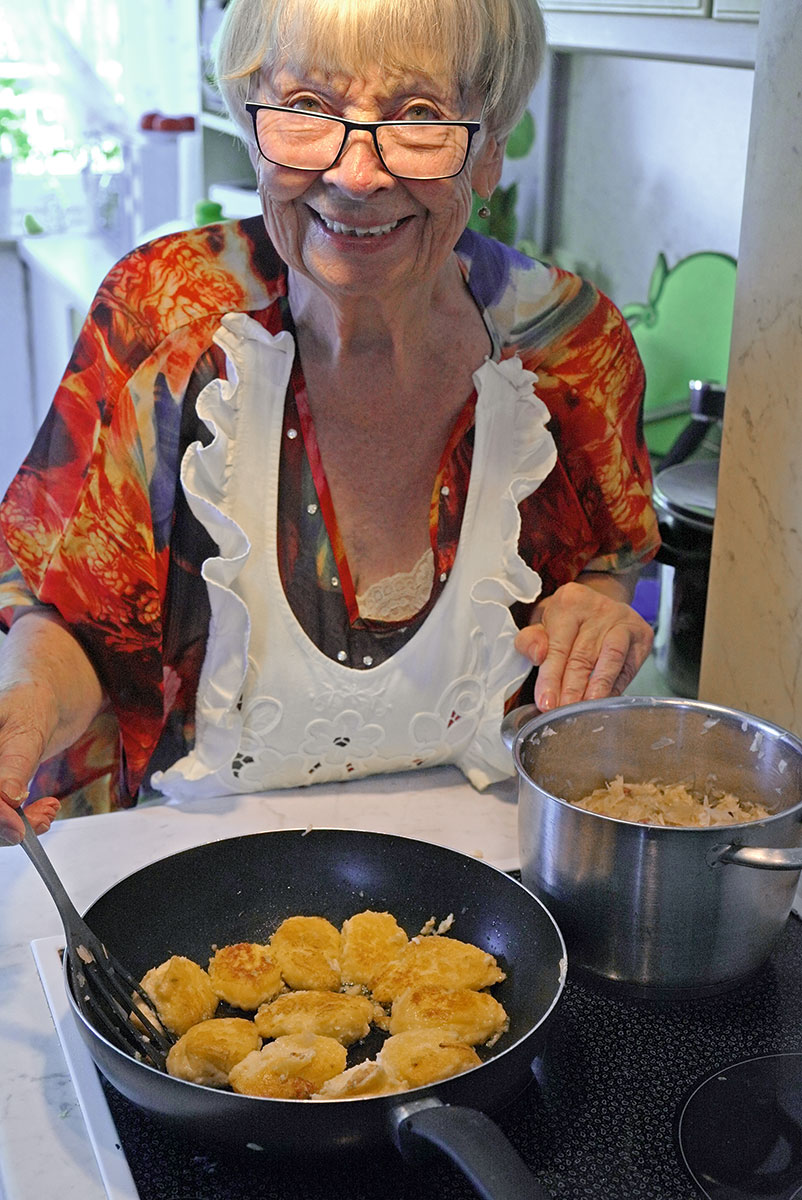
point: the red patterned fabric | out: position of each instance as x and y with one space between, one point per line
95 523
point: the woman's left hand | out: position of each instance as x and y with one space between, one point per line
586 642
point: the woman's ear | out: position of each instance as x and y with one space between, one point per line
487 168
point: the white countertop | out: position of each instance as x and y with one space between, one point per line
44 1148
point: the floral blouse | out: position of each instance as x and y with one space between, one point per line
96 526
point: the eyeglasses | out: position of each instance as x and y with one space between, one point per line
307 141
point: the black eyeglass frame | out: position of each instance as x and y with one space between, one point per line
472 128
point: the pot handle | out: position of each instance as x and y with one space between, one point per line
473 1142
514 721
764 857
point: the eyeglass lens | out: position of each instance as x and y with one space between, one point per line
407 148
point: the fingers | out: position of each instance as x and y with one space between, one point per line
19 757
564 672
22 743
533 643
616 666
588 646
41 814
27 717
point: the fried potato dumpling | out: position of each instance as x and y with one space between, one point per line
330 1014
307 949
304 1056
365 1079
251 1078
370 942
441 962
473 1017
182 993
245 975
422 1056
207 1052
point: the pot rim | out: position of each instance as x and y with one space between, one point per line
718 711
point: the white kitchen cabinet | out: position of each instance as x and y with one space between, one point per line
683 8
736 10
16 394
671 38
63 273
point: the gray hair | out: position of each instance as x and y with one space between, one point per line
492 49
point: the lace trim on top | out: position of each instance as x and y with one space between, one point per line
399 596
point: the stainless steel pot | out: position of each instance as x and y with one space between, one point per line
660 910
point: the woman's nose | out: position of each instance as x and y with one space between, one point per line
359 168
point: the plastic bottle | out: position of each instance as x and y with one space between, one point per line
207 212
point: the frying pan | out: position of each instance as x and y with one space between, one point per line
240 889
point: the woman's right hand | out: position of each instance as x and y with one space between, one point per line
28 719
49 694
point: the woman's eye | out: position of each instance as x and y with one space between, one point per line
421 112
306 104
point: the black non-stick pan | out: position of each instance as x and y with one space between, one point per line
240 889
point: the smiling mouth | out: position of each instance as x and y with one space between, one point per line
365 231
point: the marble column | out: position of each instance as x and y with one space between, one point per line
752 652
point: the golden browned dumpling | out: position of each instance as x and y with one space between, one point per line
252 1078
207 1052
307 949
365 1079
370 942
182 993
244 974
422 1056
439 961
330 1014
304 1056
473 1017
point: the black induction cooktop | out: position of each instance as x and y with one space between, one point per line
634 1100
740 1130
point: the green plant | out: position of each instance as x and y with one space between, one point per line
502 223
14 141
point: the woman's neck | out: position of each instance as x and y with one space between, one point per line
342 325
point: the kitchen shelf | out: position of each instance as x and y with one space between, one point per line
219 122
225 155
681 39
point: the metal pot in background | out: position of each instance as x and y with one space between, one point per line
663 911
685 501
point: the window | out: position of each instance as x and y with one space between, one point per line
72 71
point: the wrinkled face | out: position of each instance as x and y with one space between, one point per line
354 229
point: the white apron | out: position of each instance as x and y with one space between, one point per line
272 710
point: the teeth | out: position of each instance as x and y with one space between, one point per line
372 231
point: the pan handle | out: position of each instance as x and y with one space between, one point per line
473 1142
765 857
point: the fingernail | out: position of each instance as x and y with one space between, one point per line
546 702
14 800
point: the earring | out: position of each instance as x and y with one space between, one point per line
483 211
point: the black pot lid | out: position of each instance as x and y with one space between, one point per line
740 1130
688 489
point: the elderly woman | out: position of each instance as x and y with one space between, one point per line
319 488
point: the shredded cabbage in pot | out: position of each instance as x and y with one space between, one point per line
669 804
